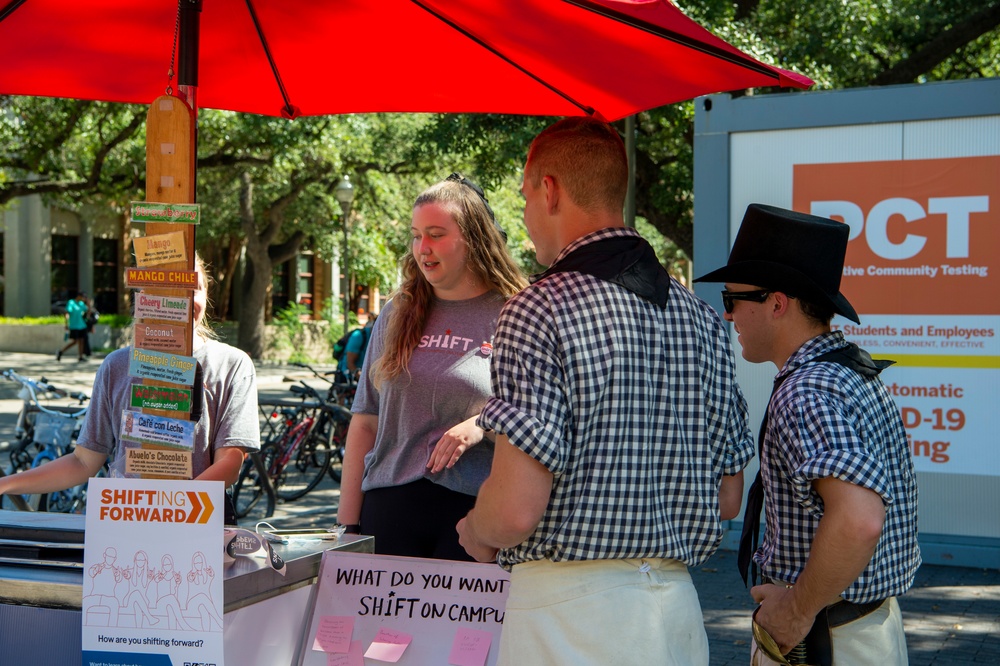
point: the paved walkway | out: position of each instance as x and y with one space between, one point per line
951 615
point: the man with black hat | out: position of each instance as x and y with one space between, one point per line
841 498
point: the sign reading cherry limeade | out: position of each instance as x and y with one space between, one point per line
140 278
175 213
163 367
165 308
152 573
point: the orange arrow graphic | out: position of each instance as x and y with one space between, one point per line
195 506
209 508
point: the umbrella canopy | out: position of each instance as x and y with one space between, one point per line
610 58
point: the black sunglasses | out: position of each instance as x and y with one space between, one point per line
459 178
756 296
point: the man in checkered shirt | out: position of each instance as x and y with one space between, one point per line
837 479
622 434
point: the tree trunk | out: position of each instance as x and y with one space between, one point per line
262 255
256 277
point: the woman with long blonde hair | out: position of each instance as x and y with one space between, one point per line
415 457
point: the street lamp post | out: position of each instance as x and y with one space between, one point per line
344 192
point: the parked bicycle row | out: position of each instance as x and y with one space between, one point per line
43 432
302 439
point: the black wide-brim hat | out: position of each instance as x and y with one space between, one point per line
794 253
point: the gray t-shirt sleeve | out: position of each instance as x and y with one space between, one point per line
229 415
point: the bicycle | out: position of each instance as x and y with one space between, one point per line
43 434
340 393
294 456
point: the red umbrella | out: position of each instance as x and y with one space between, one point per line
316 57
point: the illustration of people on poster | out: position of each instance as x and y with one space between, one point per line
922 271
153 583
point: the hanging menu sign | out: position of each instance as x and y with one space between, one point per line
166 308
137 278
161 337
159 249
164 398
162 367
176 213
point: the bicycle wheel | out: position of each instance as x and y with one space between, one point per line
306 468
249 496
338 446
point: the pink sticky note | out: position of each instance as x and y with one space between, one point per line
353 657
388 645
334 633
470 648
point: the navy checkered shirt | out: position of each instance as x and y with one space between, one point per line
824 421
633 408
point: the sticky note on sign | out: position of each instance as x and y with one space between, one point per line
334 633
353 657
388 645
470 647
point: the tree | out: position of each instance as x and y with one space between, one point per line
838 43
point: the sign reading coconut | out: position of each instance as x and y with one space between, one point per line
161 337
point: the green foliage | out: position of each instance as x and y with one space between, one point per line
33 321
291 331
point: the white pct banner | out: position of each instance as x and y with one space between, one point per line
152 573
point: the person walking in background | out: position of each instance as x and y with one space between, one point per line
91 318
621 432
76 325
355 348
415 457
841 496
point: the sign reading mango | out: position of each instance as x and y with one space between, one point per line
140 278
159 249
155 506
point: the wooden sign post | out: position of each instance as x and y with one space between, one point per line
165 280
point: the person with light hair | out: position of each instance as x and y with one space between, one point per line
415 457
224 409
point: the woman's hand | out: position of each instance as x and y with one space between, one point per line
454 443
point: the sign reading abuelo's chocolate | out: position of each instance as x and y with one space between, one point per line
160 397
161 337
167 308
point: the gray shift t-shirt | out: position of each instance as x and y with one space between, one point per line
449 381
229 416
